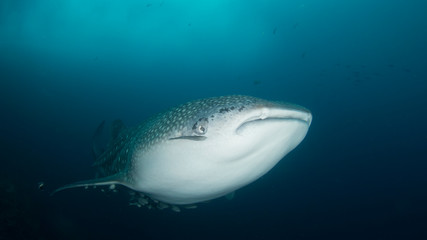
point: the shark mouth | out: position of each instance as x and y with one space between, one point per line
265 115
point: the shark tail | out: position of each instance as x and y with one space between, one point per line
110 180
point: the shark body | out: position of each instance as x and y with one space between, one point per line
201 150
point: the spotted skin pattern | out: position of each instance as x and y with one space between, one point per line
176 122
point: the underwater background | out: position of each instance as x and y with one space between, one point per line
360 66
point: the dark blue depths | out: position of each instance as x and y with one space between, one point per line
360 66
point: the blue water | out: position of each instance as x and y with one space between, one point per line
360 66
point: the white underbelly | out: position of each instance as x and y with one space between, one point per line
185 171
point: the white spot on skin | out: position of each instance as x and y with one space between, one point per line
143 201
162 206
176 209
191 206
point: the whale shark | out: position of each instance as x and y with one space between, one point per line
200 150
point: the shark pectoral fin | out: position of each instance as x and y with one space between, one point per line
115 179
192 138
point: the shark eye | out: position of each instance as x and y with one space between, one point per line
201 126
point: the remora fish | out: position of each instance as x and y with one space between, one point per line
202 149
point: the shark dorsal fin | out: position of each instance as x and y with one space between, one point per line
98 141
116 128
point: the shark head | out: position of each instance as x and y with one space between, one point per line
211 147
